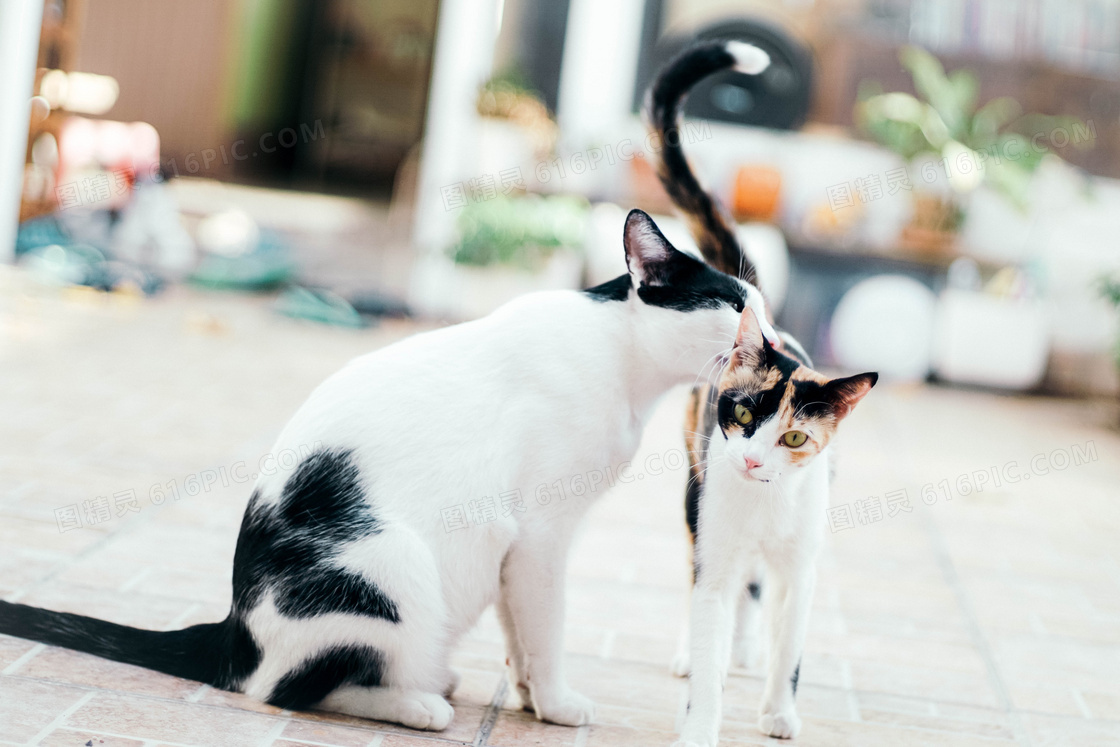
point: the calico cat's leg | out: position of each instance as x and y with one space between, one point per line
792 596
411 708
749 647
515 657
712 623
682 659
533 576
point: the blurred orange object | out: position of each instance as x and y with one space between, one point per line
756 193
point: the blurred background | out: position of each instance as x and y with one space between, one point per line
928 188
208 207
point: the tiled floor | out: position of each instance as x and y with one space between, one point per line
991 618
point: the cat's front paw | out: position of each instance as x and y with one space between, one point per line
424 711
568 708
783 724
691 737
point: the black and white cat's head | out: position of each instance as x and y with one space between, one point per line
689 310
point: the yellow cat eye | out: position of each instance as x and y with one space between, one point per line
793 439
743 415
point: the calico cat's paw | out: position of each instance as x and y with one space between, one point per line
691 737
783 724
568 709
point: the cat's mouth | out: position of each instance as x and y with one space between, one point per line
746 475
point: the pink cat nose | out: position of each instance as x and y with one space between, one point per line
751 464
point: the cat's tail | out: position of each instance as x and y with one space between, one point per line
204 653
711 227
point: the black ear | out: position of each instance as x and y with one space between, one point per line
649 255
846 393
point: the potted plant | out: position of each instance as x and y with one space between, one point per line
506 246
952 144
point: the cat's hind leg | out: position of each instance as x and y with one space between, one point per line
748 649
515 655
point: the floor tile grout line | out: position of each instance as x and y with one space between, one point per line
952 578
273 734
198 694
944 560
830 688
114 735
58 721
492 712
110 535
28 655
1081 703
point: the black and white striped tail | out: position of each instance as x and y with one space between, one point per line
711 227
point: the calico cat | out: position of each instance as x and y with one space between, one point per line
758 462
350 589
756 500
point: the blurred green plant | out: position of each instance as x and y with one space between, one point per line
945 122
522 231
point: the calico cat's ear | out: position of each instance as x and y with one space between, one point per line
847 392
649 255
749 340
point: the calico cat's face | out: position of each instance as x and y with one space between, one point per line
775 413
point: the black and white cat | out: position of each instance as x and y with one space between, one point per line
348 592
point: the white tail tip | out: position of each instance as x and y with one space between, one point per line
748 58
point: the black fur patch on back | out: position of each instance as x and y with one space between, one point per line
290 546
754 590
305 686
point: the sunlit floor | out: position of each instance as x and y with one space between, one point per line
978 619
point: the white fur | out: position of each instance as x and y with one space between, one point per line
748 58
552 385
746 524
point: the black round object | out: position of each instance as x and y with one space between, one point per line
778 98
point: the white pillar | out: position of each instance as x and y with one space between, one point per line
463 59
599 69
20 21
